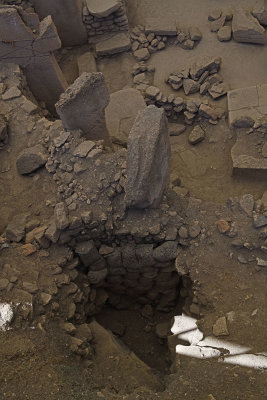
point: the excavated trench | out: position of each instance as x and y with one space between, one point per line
138 307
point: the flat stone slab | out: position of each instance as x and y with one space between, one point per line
102 8
116 44
247 155
161 26
121 113
247 29
246 105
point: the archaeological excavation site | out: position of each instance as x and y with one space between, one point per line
133 187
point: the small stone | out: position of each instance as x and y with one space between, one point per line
220 327
61 219
4 283
197 135
261 263
214 14
224 34
259 220
11 93
69 327
30 287
61 139
194 231
142 54
28 249
188 44
190 86
152 91
195 34
45 298
247 203
223 226
183 232
30 159
84 148
216 25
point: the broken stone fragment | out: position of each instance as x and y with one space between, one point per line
11 93
30 159
61 218
83 148
148 159
195 34
204 64
220 327
87 252
225 34
190 86
260 11
214 14
142 54
217 90
216 25
176 129
247 29
15 230
197 135
223 226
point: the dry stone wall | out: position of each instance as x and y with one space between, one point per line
105 18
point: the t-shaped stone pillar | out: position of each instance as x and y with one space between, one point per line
26 41
83 105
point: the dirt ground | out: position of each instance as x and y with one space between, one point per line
36 363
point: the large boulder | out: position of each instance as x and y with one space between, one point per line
148 159
247 29
121 113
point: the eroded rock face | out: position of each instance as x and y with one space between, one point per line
247 29
148 159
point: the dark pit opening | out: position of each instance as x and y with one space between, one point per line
137 305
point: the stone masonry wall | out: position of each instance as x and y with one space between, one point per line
116 21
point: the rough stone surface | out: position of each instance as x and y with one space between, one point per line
86 63
116 44
121 113
220 327
142 54
197 135
161 26
148 159
61 218
83 105
31 159
260 11
190 86
15 230
225 33
247 28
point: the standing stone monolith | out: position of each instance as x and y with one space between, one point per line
82 106
148 159
26 41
